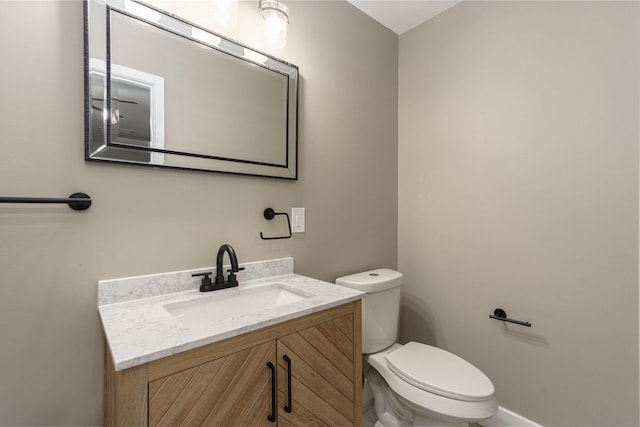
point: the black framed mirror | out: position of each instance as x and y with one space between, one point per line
163 92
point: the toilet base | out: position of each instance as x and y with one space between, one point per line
393 412
419 420
427 423
422 424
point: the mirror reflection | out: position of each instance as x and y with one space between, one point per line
164 92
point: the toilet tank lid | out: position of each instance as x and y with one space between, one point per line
372 281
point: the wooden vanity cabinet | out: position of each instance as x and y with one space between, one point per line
233 390
315 360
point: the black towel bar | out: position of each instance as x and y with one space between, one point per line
500 314
76 201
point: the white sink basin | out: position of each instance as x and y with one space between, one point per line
204 310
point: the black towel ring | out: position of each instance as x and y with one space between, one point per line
269 214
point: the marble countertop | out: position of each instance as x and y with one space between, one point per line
142 330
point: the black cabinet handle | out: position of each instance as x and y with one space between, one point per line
288 407
272 416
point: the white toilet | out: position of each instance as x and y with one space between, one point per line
414 384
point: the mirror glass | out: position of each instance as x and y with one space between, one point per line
163 92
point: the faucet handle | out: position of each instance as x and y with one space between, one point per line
205 285
232 277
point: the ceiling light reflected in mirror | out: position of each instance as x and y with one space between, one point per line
225 11
276 17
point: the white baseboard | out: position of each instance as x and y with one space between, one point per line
507 418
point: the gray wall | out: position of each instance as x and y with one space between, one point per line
148 221
518 188
517 177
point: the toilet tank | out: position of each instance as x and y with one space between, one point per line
380 306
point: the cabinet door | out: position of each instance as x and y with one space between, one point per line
231 391
318 377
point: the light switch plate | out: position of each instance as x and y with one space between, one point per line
297 220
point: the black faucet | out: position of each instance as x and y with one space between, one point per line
220 283
231 280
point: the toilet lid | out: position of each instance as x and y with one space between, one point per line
440 372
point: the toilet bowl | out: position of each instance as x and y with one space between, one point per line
414 384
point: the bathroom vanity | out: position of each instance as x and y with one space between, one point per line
288 352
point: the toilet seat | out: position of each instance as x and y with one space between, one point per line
454 378
420 400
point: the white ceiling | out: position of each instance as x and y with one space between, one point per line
402 15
